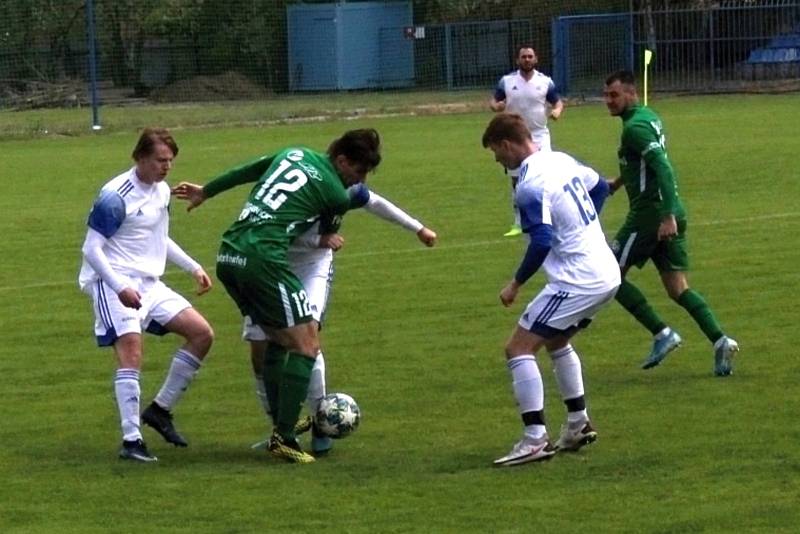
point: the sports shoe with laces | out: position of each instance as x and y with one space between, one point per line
527 450
288 449
662 347
724 350
161 421
136 450
573 437
302 426
514 231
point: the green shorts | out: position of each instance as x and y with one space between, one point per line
634 245
267 291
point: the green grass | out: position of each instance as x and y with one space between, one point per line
277 109
416 336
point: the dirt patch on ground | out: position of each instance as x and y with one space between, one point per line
226 86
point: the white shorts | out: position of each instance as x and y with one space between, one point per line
542 140
316 278
556 312
112 319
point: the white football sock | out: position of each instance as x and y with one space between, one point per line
316 385
528 389
261 394
663 333
181 372
127 392
567 368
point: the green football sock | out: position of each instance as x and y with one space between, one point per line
697 307
294 388
274 362
635 302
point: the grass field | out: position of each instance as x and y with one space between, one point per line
416 336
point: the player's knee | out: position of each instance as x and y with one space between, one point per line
128 349
513 350
674 292
202 338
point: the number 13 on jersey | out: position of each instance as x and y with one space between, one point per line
578 192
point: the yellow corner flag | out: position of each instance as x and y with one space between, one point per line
648 56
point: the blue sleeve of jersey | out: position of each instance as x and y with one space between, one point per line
538 248
529 203
552 95
107 213
359 196
500 91
599 193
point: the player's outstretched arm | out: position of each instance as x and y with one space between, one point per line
190 192
427 236
383 208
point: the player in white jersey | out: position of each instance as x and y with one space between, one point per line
311 259
124 255
559 201
532 95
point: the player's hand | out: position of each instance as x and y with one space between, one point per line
509 293
555 114
203 281
613 185
130 298
427 236
331 241
668 228
190 192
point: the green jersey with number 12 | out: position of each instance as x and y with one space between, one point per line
645 168
294 188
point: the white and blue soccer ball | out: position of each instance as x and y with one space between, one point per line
337 416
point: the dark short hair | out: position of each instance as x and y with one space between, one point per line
625 77
150 138
523 46
361 146
506 126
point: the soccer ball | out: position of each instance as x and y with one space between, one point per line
338 415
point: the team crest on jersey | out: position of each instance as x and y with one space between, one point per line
514 88
294 155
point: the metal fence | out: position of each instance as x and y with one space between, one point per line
723 47
190 50
222 53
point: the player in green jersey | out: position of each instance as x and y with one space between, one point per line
655 227
293 189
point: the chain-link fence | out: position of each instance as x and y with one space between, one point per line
728 46
203 50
